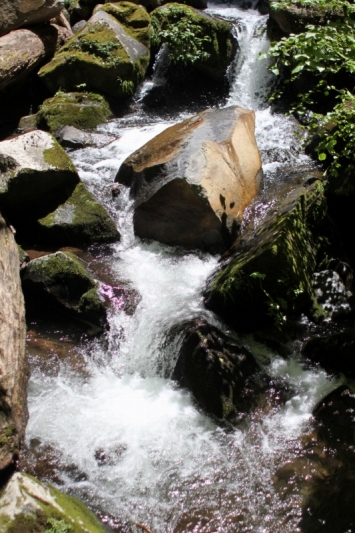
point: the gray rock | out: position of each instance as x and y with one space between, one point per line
78 26
14 370
17 13
71 137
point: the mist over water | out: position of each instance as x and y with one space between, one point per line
143 449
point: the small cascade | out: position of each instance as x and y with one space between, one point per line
129 441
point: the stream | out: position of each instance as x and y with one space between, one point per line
126 439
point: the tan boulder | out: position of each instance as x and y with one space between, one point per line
192 182
14 369
22 51
17 13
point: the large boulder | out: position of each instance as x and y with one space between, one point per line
192 182
81 110
27 505
22 51
39 181
293 16
270 275
60 282
36 175
81 219
224 377
14 370
17 13
109 55
194 38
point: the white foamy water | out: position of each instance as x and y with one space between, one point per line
145 452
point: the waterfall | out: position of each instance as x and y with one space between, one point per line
127 440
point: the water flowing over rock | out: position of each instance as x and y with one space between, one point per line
26 504
17 13
192 182
14 370
41 193
24 50
109 55
271 275
224 377
61 282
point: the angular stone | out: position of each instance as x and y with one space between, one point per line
26 504
270 276
71 137
14 369
22 51
81 219
81 110
192 182
109 55
35 176
224 377
17 13
60 282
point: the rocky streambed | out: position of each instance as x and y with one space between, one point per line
189 310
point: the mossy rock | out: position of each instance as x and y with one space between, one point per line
224 378
60 282
292 16
270 278
36 175
194 38
106 56
29 506
81 110
81 219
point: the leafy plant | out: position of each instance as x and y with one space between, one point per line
58 526
183 36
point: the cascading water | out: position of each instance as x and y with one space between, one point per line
141 449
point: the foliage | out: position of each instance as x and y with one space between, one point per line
183 35
337 142
58 526
322 60
69 3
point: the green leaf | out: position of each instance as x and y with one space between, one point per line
322 156
297 69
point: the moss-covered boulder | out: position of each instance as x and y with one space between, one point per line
194 38
224 377
29 506
38 181
270 277
81 110
292 16
109 55
60 282
35 176
81 219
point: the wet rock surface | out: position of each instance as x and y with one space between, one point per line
109 55
14 370
17 13
192 182
61 282
224 377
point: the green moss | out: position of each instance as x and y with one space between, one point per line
193 38
133 17
82 110
96 58
273 276
81 219
75 518
58 158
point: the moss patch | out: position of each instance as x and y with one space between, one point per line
193 38
272 277
44 517
102 57
58 158
81 219
81 110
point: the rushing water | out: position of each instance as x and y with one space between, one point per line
143 451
